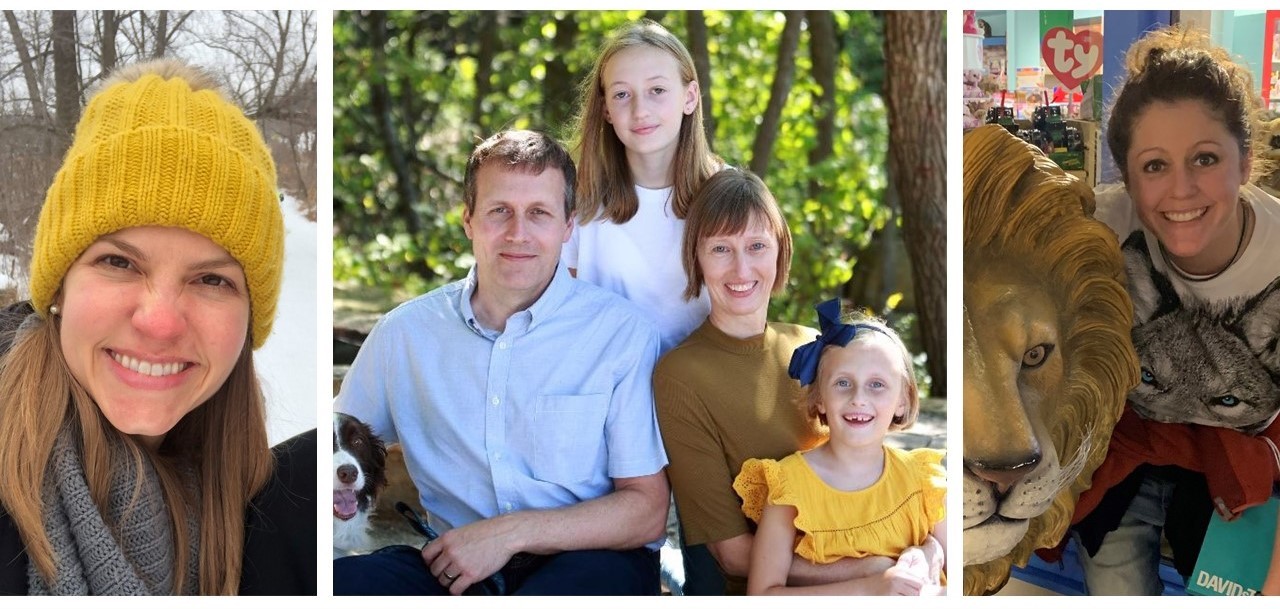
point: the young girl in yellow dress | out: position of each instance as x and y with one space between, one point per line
852 496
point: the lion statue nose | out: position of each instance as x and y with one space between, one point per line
1005 475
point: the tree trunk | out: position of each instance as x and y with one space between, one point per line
109 29
66 78
28 67
915 88
172 30
696 23
284 27
380 100
557 86
655 16
822 51
162 37
489 45
762 148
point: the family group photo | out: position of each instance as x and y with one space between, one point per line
682 303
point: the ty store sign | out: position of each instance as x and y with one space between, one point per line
1073 57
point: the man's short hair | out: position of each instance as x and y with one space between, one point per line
531 152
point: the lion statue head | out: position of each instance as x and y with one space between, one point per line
1047 354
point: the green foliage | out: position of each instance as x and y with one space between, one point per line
439 102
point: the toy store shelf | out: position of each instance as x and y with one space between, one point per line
1067 578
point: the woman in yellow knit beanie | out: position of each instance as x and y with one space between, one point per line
133 443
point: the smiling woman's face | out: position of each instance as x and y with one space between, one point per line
153 320
738 272
1185 174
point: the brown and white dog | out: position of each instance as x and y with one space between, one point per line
359 474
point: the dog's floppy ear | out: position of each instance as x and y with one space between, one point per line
377 452
379 448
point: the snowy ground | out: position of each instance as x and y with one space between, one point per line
287 362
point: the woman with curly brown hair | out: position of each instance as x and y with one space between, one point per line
1199 238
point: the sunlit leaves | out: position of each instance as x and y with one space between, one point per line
432 62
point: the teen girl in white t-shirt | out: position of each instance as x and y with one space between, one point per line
641 156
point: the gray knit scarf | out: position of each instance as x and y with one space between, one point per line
133 557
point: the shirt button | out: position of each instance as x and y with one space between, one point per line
497 456
495 400
502 344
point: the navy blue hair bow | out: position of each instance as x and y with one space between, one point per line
804 362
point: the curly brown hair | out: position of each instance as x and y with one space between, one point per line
1178 63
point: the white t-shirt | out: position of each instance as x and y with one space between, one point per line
640 260
1256 268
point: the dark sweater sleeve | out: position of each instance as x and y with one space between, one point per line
280 526
13 558
13 555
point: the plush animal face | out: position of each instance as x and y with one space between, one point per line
1047 356
1205 363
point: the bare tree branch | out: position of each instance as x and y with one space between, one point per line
28 67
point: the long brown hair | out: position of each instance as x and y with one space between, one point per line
605 185
224 440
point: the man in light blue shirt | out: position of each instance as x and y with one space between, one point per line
522 398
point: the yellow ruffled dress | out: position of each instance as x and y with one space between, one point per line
884 519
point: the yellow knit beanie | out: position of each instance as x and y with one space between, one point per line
151 151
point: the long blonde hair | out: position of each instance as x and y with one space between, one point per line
224 440
605 184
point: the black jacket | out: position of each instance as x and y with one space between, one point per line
280 530
280 522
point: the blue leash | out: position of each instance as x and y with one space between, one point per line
494 585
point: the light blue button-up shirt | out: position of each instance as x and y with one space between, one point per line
544 414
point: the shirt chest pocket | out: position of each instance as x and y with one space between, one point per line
569 447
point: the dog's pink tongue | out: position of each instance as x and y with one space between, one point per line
344 504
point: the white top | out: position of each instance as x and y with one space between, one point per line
1217 338
640 260
1254 271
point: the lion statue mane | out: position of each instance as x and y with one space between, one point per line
1047 352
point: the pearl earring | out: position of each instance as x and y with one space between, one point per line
55 310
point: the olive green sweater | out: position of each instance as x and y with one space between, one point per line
720 401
